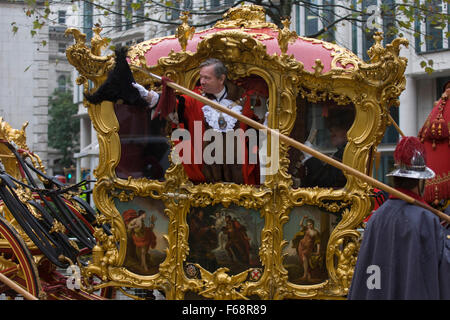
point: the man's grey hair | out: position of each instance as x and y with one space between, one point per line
219 66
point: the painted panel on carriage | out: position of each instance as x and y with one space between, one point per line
146 226
225 237
307 233
144 144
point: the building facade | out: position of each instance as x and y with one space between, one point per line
33 67
60 70
24 65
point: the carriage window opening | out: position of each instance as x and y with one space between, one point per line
324 127
144 143
244 165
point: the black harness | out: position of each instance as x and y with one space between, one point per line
53 210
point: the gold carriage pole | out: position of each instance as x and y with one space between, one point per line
16 287
293 143
396 125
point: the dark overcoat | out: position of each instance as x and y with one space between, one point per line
404 254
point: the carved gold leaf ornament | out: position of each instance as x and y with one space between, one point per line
342 57
97 42
57 227
184 31
136 52
286 36
245 16
370 87
221 286
318 67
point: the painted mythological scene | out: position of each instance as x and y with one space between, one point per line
225 237
307 233
146 226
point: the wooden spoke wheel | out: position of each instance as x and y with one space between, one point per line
16 261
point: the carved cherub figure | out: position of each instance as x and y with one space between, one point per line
346 263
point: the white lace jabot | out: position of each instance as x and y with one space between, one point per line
212 115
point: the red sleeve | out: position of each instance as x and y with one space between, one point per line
193 112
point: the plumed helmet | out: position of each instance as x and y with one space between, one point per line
410 160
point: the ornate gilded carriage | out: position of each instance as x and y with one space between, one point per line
162 222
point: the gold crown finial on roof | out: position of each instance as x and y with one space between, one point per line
97 42
377 49
184 31
245 16
286 36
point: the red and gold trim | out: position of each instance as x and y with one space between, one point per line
29 273
437 188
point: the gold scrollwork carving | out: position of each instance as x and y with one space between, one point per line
245 16
220 286
344 251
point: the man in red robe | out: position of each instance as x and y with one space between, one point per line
197 117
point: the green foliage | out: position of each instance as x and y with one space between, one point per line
15 28
63 128
427 66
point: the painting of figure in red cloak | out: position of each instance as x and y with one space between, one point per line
225 237
143 236
146 226
307 233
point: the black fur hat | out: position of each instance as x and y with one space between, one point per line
118 84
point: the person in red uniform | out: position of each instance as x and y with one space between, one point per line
435 136
213 76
